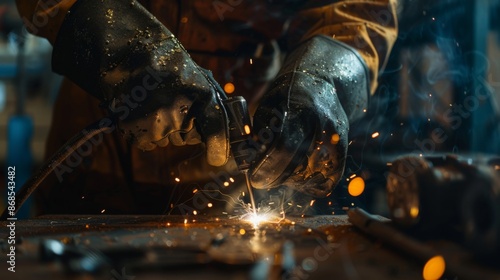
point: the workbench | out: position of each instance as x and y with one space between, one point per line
218 247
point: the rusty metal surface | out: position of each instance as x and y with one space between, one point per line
176 247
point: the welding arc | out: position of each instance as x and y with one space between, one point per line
66 150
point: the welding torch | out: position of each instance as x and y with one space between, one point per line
240 135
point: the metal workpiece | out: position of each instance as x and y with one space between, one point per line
446 196
213 247
182 246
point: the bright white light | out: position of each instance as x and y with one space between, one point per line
255 219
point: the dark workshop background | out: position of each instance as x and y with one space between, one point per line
438 94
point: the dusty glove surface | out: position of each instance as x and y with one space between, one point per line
118 52
303 120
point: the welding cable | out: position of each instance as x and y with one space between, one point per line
103 125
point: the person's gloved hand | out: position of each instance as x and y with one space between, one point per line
303 119
120 53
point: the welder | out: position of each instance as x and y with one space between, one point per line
306 68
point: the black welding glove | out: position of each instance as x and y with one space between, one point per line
303 120
120 53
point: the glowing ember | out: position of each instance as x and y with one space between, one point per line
185 221
210 205
247 129
335 139
177 179
226 184
414 211
434 268
229 88
356 187
375 135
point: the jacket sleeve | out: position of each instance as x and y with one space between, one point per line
369 26
44 17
